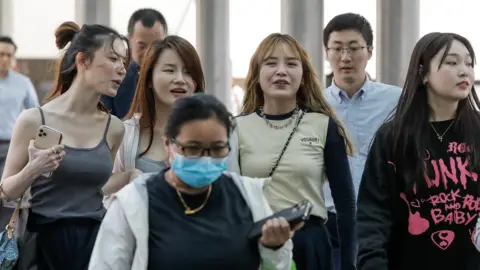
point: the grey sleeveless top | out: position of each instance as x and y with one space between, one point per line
75 187
148 165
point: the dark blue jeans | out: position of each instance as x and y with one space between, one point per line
333 231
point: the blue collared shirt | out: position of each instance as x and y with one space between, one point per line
362 115
16 93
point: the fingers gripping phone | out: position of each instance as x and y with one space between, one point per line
294 215
47 137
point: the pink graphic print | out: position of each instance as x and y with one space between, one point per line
452 200
416 224
443 239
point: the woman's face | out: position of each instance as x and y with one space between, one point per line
171 80
281 73
106 70
453 78
195 136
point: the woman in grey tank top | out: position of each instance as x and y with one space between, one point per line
66 206
172 70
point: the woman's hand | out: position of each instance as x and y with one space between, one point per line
276 232
43 161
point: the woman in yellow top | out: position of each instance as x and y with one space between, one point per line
288 131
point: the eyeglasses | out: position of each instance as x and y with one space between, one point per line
218 151
351 51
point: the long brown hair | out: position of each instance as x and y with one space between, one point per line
144 100
87 40
310 94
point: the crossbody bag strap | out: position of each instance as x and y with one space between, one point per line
13 219
286 143
11 224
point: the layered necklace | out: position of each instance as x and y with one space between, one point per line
287 124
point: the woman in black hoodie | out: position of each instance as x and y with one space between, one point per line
418 200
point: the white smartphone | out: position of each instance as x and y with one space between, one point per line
47 137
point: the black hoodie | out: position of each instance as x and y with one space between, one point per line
402 228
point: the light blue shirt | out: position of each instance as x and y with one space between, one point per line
16 93
362 115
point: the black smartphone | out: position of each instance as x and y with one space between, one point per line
296 214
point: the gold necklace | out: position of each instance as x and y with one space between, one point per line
188 210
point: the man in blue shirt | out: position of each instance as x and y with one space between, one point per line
16 93
144 27
361 104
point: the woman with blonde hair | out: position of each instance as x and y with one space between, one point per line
288 132
171 70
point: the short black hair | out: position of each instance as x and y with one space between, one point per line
9 40
148 17
349 21
200 106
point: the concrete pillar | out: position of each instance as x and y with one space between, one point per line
92 12
303 19
398 29
213 46
6 18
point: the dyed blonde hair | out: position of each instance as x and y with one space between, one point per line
310 93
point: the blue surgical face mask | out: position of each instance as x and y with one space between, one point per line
198 172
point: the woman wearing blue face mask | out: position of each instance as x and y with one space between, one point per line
194 215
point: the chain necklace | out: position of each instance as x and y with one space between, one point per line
440 137
288 123
188 210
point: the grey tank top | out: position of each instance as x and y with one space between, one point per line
148 165
75 188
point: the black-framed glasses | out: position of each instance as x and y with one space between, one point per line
217 151
351 51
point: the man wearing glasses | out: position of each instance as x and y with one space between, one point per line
362 104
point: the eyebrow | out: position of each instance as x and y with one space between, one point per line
458 55
170 65
113 52
349 43
276 58
194 142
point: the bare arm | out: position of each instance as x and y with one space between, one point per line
116 182
25 163
120 177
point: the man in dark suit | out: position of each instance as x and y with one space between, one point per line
144 27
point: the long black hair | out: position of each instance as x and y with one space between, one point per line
410 119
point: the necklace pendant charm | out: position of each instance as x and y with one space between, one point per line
189 211
440 138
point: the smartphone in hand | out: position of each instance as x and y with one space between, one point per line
296 214
47 137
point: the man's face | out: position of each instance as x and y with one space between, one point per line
348 54
7 52
142 37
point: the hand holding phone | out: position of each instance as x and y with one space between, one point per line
46 152
293 216
277 231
